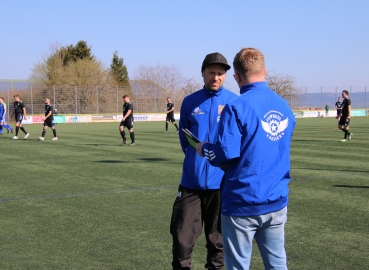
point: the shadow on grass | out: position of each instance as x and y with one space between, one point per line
329 169
154 159
301 140
347 186
92 144
110 161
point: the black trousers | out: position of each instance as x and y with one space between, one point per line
192 210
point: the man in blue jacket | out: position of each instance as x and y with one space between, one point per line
198 197
253 145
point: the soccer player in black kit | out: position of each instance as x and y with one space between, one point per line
127 121
338 106
20 114
48 121
345 116
170 115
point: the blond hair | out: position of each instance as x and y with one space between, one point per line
249 61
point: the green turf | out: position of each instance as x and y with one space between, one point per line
83 202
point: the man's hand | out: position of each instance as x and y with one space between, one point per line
199 147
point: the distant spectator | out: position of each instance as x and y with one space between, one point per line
326 110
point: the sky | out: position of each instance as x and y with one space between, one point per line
321 43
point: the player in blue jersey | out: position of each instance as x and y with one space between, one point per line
3 111
1 117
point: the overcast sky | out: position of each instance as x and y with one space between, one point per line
322 43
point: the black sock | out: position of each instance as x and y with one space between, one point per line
132 135
346 134
123 134
22 128
54 132
16 131
43 133
166 126
176 126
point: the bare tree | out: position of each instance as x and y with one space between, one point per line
155 83
168 78
285 86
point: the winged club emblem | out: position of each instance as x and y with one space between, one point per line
274 128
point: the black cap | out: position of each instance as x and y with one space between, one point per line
215 58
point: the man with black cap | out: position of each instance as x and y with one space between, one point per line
198 198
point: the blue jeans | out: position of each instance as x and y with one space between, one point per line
268 231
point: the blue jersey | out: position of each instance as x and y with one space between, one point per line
2 110
2 105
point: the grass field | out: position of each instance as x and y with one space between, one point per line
83 202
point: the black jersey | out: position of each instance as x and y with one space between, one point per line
339 105
126 107
346 102
18 107
49 108
169 107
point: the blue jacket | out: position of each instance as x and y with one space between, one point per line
254 140
200 113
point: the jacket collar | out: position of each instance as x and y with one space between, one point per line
248 87
212 92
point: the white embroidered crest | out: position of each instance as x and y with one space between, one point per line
274 126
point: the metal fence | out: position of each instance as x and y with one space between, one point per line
147 97
318 97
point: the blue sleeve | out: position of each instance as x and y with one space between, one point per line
228 144
183 123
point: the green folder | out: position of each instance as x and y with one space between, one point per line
191 139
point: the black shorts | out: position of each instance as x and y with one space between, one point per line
49 123
19 118
344 121
338 112
128 123
170 117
